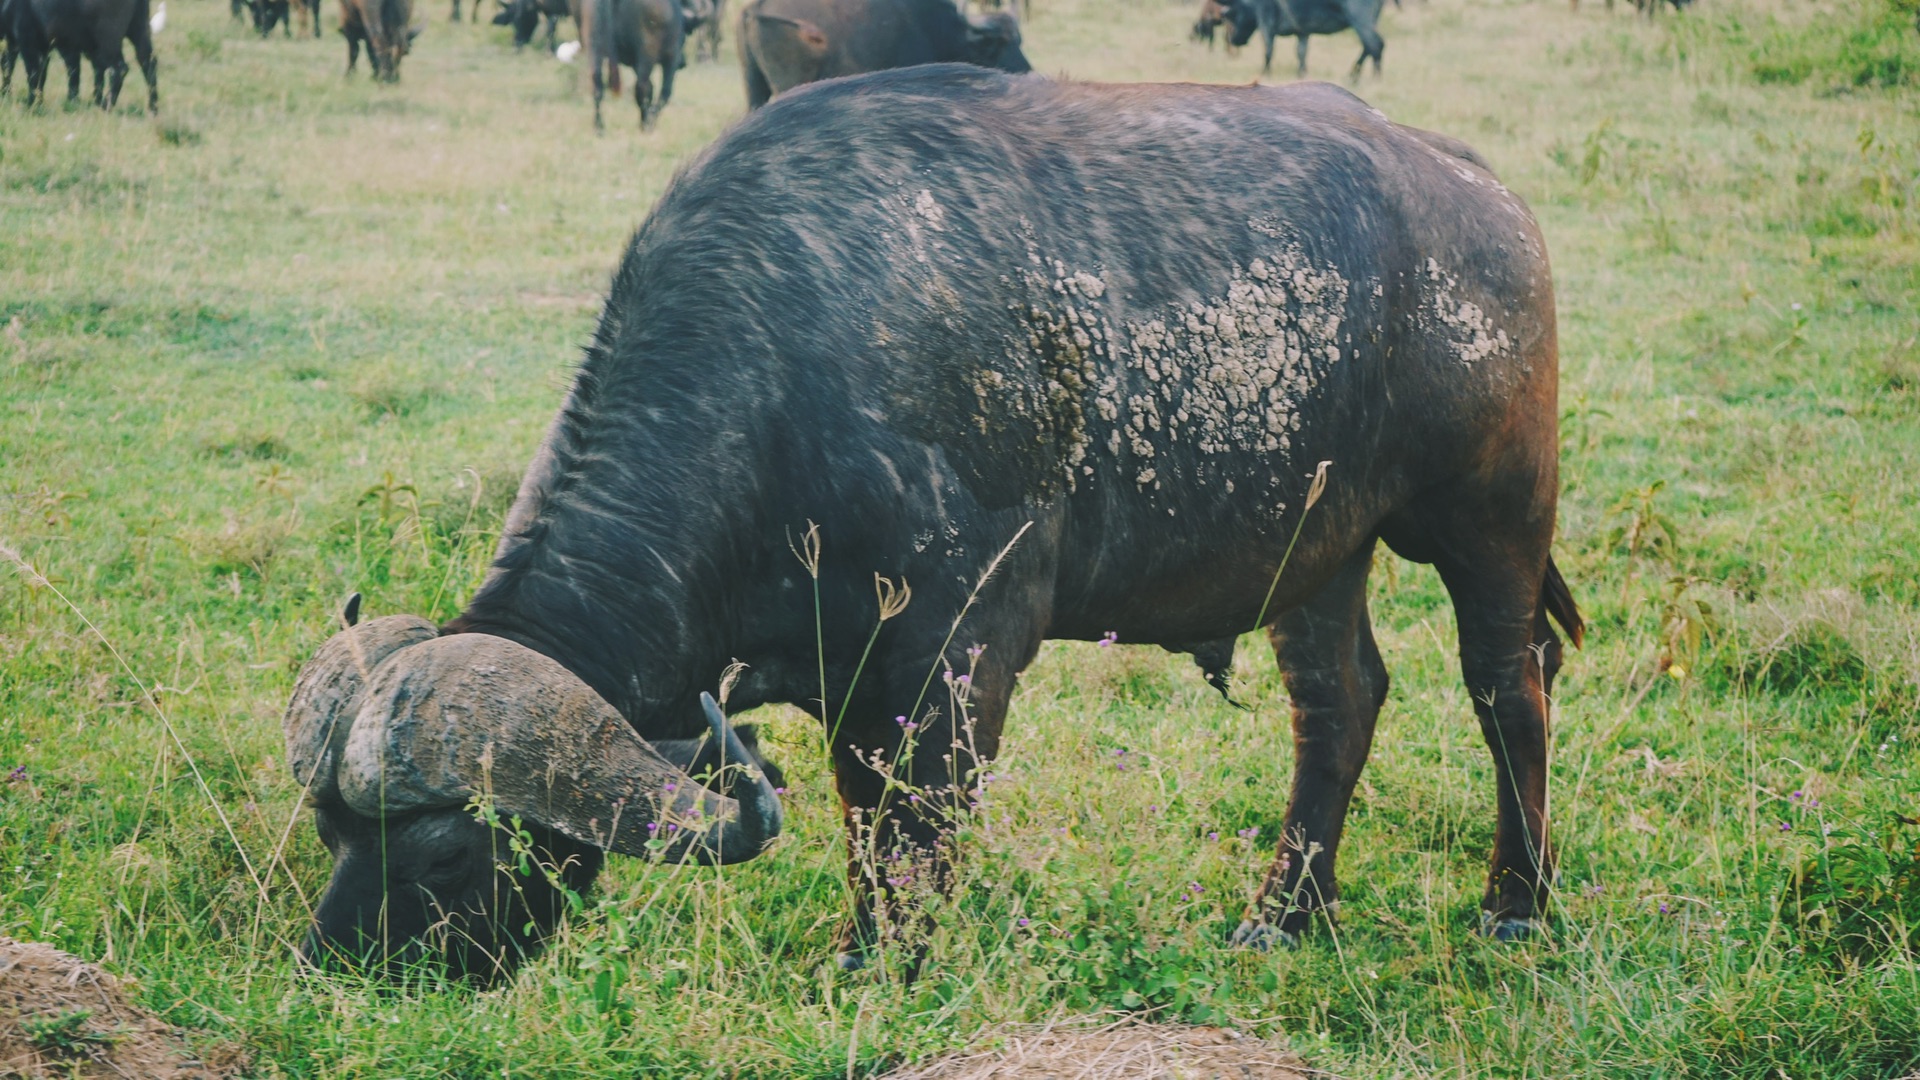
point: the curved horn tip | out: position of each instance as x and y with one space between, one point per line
350 612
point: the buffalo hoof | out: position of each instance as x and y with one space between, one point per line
1508 928
1261 937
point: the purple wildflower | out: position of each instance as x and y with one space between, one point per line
976 651
1211 835
1786 826
963 680
1249 833
1111 637
18 774
653 826
1020 922
1663 909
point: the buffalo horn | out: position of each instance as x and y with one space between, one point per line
326 696
474 714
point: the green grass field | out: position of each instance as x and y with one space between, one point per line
298 335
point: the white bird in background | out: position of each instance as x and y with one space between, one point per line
159 20
567 51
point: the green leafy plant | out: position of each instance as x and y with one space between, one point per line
1859 894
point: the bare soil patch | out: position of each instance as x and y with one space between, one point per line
63 1017
1126 1050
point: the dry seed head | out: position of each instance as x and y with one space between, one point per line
893 599
1319 485
808 549
730 676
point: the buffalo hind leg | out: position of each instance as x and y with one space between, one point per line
1300 54
1508 656
1336 683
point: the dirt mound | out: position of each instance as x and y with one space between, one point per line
63 1017
1117 1051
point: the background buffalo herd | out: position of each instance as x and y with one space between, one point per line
782 43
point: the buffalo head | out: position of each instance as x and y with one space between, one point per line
396 732
523 16
993 41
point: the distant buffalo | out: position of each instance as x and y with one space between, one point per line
385 27
524 16
76 28
1300 18
784 43
638 34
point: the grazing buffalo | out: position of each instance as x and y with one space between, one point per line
524 16
639 34
1301 18
90 28
784 43
384 25
1156 364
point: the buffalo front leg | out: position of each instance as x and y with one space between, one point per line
1300 56
1336 683
907 775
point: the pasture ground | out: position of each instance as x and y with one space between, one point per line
299 335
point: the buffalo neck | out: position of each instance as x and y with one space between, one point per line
626 557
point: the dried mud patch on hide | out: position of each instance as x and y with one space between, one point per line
1127 1050
63 1017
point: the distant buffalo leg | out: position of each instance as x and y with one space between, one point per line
113 64
1336 683
599 91
666 89
643 93
1371 44
37 61
1300 55
71 57
8 54
353 50
142 36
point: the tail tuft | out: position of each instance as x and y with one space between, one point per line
1557 599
